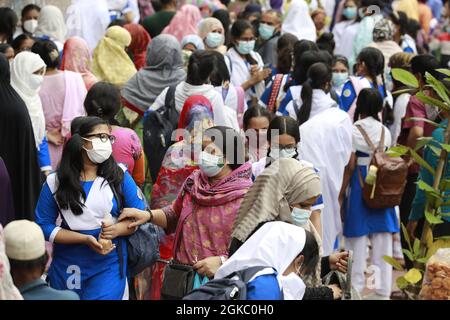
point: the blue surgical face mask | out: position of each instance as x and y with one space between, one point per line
300 216
214 39
266 31
210 164
350 13
339 78
245 47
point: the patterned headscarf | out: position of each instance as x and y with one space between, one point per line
383 30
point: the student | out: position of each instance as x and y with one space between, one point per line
62 94
256 122
345 31
103 101
27 75
326 42
212 33
314 97
361 222
7 50
25 248
269 33
341 73
288 252
281 73
23 42
8 24
216 190
29 20
370 65
156 23
82 192
201 66
406 42
164 69
246 65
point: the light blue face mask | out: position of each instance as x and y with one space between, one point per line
210 164
266 31
245 47
214 39
300 216
350 13
339 78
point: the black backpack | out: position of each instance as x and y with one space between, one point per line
226 288
158 128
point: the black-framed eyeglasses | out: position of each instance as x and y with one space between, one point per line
103 137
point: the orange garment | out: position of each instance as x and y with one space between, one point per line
139 170
425 17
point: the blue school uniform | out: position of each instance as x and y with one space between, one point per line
349 95
264 287
100 276
44 156
360 220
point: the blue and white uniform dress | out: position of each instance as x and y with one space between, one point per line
360 220
76 266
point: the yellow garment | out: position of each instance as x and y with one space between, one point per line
111 63
409 7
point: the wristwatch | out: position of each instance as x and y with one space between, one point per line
150 219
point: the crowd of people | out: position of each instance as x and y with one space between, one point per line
243 131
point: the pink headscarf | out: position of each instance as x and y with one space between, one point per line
184 22
77 58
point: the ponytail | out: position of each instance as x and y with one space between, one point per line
388 110
304 111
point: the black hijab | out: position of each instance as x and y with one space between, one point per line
17 147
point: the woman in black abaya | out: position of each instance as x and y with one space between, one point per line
17 148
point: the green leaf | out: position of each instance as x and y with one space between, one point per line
422 162
435 150
413 276
393 263
422 260
405 77
443 238
416 247
445 146
432 101
406 236
438 87
399 149
445 184
444 71
398 92
423 141
401 282
408 254
424 120
432 219
422 185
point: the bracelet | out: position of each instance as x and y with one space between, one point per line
150 215
223 259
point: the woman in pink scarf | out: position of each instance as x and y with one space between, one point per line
184 22
203 213
77 58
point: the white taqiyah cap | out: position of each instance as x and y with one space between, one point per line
24 240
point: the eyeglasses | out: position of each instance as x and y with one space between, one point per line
103 137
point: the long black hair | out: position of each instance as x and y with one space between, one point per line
103 101
310 253
319 74
201 64
255 112
230 143
369 104
237 29
8 22
300 48
285 49
374 62
220 73
48 51
69 191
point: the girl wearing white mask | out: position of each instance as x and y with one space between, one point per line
87 191
203 213
27 75
345 31
245 65
213 34
286 191
340 74
288 252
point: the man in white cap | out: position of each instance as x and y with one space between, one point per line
25 248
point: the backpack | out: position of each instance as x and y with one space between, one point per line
390 181
158 128
142 245
225 288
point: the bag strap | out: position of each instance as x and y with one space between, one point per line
381 144
274 93
366 137
170 97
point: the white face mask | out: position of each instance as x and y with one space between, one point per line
210 164
300 216
283 153
35 81
30 25
100 152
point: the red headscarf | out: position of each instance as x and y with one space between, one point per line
188 105
140 40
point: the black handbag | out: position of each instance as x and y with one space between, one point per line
178 281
